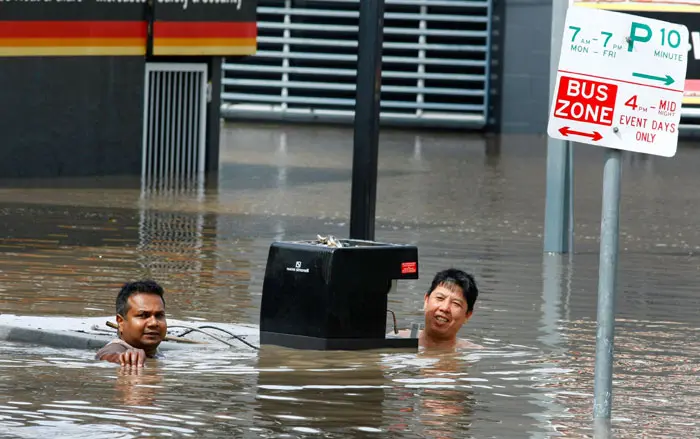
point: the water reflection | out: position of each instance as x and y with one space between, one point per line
492 151
320 391
445 412
556 292
138 386
170 243
336 392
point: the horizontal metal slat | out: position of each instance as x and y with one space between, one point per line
440 47
245 97
690 111
385 59
407 16
308 12
436 32
387 30
349 72
306 55
349 87
355 14
261 111
387 45
435 17
306 26
308 41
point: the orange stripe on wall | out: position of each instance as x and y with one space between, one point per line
73 42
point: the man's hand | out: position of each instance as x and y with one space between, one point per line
133 357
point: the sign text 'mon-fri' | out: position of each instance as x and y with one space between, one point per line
620 81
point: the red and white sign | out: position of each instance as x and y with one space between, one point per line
620 81
585 100
409 267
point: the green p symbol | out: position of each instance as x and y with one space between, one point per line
634 37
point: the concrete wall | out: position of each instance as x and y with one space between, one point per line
72 116
83 116
521 102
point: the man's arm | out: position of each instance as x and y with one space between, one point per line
109 351
120 354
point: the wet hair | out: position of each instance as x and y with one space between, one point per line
461 279
139 287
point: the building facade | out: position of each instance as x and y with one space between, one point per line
470 64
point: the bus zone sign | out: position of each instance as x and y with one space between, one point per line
620 81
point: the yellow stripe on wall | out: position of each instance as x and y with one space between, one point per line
203 50
694 100
193 42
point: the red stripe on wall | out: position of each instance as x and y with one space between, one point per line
73 29
208 29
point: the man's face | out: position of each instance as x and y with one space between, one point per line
445 312
144 325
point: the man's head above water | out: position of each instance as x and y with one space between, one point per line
141 315
448 304
142 325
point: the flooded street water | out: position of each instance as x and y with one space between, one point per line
465 201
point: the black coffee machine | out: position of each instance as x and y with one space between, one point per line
332 294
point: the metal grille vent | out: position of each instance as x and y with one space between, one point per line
174 127
435 62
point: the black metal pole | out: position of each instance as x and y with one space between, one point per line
213 137
366 139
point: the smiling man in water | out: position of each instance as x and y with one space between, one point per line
448 304
142 324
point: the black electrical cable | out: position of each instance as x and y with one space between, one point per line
191 329
237 337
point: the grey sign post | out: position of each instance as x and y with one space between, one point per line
619 84
559 203
607 282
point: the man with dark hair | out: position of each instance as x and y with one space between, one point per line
448 304
142 324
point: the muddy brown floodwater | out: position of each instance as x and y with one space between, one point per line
466 201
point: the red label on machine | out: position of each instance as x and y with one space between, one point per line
585 100
409 267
